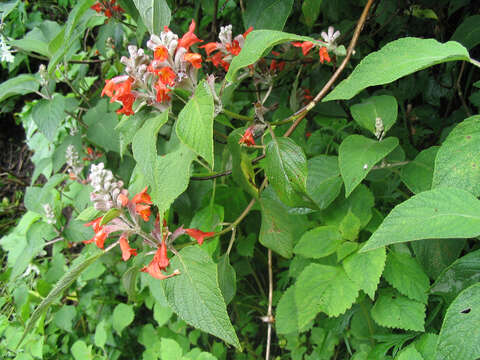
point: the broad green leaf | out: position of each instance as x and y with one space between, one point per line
345 249
397 59
161 314
6 7
397 311
155 14
279 229
468 32
48 114
350 226
358 154
404 273
170 350
63 318
101 127
384 107
323 180
122 317
418 174
128 127
267 14
458 276
323 288
81 351
18 85
286 313
310 11
426 345
101 334
319 242
365 269
441 213
456 163
209 219
61 285
227 278
195 123
195 295
459 336
409 353
256 45
37 39
286 169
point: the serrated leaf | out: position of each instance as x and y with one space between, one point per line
441 213
358 154
456 163
323 288
397 311
195 296
365 271
384 107
195 123
267 14
286 313
155 14
404 273
397 59
61 285
319 242
324 182
122 317
459 336
350 226
418 174
256 44
409 353
48 114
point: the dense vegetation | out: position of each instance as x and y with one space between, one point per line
240 179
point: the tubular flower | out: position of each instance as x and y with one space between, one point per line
166 75
108 8
142 202
247 137
127 251
323 53
160 53
120 89
162 92
199 235
159 263
210 47
306 46
189 38
100 233
194 59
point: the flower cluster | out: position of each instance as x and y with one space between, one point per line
329 39
150 81
227 48
108 8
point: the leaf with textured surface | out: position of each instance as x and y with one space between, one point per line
365 271
459 336
267 14
397 311
323 288
358 154
395 60
441 213
383 106
155 14
48 114
409 353
418 174
324 182
404 273
456 163
227 278
195 295
195 123
319 242
286 314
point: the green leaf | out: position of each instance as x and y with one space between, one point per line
48 114
61 285
161 313
319 242
19 85
310 11
129 281
256 45
395 60
404 273
418 174
195 123
397 311
365 269
195 296
155 14
88 214
227 278
384 107
441 213
101 127
279 229
122 317
409 353
468 32
109 216
456 163
267 14
323 288
63 318
37 39
426 345
286 314
286 169
458 276
170 350
358 154
459 336
324 182
350 226
101 334
81 351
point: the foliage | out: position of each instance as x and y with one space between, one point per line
286 217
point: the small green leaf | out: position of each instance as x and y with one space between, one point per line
122 317
129 281
409 353
101 334
395 60
384 107
101 127
267 14
324 182
155 14
161 314
63 318
227 278
468 32
81 351
459 336
195 123
418 174
286 314
19 85
319 242
310 11
404 273
456 163
350 226
88 214
109 216
48 114
441 213
397 311
358 154
37 39
170 350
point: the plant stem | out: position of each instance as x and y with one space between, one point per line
236 116
270 300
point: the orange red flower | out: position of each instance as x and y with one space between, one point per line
142 202
194 59
247 138
189 38
127 251
323 53
199 235
100 233
159 263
